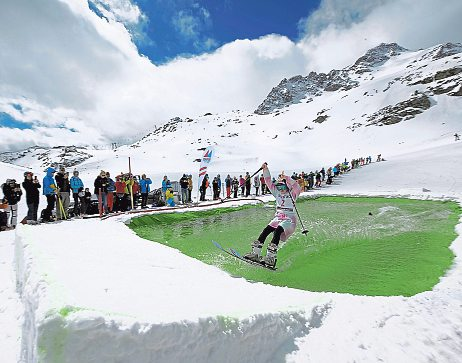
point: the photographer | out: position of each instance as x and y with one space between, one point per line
12 192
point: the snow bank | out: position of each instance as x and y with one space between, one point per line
102 294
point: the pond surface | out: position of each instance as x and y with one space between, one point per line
364 246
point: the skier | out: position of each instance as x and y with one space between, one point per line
285 190
12 192
456 136
32 187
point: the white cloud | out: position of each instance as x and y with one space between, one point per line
72 69
339 31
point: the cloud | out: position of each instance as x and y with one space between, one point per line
70 69
339 31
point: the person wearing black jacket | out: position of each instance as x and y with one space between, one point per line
64 193
32 187
101 184
248 184
12 192
184 184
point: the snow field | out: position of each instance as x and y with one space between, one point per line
112 297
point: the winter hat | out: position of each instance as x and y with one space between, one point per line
76 173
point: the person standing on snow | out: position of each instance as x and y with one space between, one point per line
216 191
110 192
248 184
101 189
235 185
256 184
184 183
77 187
228 182
64 188
32 187
283 225
12 192
49 191
144 185
456 136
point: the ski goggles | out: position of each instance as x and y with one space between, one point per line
281 187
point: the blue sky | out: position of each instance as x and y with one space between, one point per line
189 27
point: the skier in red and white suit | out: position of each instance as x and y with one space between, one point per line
285 220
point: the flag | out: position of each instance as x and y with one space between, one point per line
205 161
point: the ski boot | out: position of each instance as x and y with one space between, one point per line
255 255
271 255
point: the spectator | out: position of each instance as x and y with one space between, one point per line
145 189
216 191
101 191
49 190
77 187
184 184
32 187
190 188
110 192
235 185
256 184
64 189
228 182
85 201
12 193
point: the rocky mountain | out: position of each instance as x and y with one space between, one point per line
67 156
298 88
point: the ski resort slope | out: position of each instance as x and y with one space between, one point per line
93 291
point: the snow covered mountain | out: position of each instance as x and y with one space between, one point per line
391 100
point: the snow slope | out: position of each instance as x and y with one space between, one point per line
94 291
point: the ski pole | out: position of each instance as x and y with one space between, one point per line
305 231
232 190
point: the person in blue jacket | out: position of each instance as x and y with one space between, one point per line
144 185
49 190
76 186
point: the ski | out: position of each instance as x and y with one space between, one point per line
237 255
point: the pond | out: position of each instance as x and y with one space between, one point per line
357 245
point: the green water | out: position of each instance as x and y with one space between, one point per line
401 249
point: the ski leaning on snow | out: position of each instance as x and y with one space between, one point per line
235 254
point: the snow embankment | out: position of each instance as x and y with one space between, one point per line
94 291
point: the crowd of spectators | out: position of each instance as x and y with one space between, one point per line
69 197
